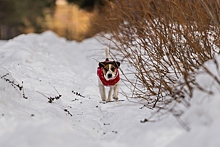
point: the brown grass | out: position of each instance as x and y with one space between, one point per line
71 22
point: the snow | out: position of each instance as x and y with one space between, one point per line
50 66
2 42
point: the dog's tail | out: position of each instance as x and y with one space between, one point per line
107 54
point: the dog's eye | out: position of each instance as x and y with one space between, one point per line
112 68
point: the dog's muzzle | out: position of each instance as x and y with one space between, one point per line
109 76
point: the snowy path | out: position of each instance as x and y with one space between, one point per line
50 66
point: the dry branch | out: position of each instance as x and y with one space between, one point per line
165 42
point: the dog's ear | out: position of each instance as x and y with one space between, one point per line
101 64
117 64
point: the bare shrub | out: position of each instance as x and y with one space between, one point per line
165 42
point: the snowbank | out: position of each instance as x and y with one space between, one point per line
40 68
203 116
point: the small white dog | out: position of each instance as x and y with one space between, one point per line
108 76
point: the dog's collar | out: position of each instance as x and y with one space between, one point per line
105 82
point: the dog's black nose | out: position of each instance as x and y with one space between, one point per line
109 75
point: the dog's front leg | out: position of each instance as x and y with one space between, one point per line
116 88
110 94
102 91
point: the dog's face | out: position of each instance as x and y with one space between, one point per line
109 69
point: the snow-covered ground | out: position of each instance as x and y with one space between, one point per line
36 68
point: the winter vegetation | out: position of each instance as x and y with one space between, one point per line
23 16
165 42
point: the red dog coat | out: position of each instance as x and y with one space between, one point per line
111 82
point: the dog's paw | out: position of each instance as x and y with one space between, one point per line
115 98
103 102
103 99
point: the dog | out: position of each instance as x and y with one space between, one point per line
108 76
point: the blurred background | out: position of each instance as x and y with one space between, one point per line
72 19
